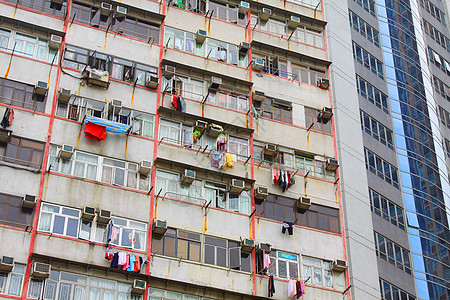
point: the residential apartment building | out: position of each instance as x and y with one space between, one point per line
401 54
184 150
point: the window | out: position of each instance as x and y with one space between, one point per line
372 94
79 107
368 60
312 118
275 110
157 294
278 66
227 254
436 35
184 86
214 49
319 271
27 45
67 221
120 69
59 220
171 185
284 209
284 265
46 6
368 5
170 131
438 61
129 26
11 212
227 12
178 243
302 34
238 146
380 167
11 283
441 88
21 95
23 152
301 162
393 253
434 11
98 168
64 285
386 209
229 100
447 147
376 130
364 29
130 234
389 291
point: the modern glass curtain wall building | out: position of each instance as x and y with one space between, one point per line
419 144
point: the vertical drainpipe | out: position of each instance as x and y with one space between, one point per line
155 142
45 158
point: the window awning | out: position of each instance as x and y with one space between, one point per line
111 126
436 57
447 66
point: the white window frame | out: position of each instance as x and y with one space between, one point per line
138 227
60 214
10 279
276 257
319 269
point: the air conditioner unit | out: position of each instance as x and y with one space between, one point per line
258 96
214 83
4 135
169 71
244 47
55 41
244 7
265 14
332 164
138 287
121 11
88 213
104 216
152 82
29 201
99 78
323 83
303 203
261 193
200 36
201 126
339 265
114 107
325 114
66 151
105 8
293 22
265 247
214 130
237 186
41 88
6 264
145 167
258 64
270 149
64 95
159 227
247 245
41 270
188 176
